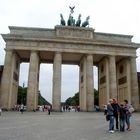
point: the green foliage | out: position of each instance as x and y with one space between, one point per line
42 101
22 93
22 96
96 97
74 101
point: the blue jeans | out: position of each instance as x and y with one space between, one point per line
122 123
111 123
128 119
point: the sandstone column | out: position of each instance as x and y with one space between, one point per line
128 73
56 101
6 80
33 79
107 81
15 80
134 83
10 80
112 77
82 84
89 83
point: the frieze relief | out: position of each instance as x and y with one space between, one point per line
74 33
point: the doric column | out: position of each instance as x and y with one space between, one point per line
10 80
134 83
6 80
56 101
107 80
33 79
103 82
128 73
112 77
89 83
82 84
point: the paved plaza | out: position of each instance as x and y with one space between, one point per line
62 126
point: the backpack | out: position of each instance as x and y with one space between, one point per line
131 109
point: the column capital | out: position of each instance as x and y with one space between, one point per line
109 56
89 55
57 52
34 51
133 57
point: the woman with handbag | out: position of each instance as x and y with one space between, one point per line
127 107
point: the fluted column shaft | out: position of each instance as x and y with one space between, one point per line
134 83
56 101
89 83
33 79
6 80
112 77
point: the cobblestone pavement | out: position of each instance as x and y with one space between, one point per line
62 126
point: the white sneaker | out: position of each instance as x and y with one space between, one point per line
111 131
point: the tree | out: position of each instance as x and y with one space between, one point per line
22 97
96 97
42 100
74 101
22 93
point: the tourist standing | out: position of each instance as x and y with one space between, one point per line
49 109
128 114
122 117
115 112
64 108
0 111
21 108
111 115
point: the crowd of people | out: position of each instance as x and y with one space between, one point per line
67 108
118 114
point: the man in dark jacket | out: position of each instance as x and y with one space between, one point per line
115 106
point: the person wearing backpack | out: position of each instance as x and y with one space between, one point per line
127 107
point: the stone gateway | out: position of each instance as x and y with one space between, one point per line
113 54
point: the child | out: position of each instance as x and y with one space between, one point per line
122 116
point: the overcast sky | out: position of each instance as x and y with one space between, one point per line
109 16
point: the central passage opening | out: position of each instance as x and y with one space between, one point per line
70 81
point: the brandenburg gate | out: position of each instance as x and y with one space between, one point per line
113 54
